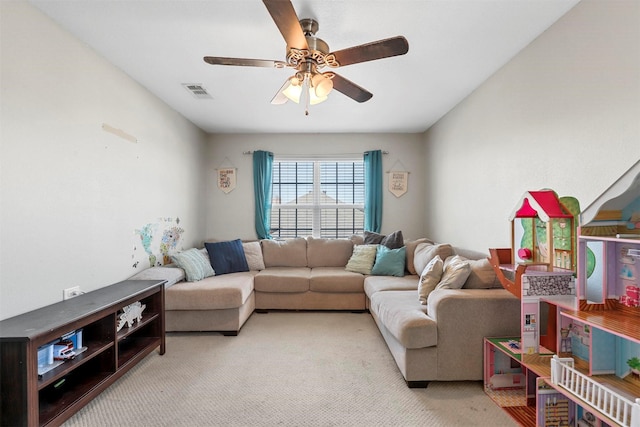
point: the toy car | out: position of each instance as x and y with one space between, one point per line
63 350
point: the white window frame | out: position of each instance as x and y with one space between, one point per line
316 207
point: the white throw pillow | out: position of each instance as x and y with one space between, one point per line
455 272
253 254
429 278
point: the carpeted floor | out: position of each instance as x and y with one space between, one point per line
284 368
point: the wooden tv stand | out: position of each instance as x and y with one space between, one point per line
50 398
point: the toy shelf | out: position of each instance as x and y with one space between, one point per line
52 397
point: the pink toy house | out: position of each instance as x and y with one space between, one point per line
540 264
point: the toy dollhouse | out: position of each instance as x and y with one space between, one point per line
592 379
540 263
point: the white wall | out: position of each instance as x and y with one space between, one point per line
72 195
563 114
232 215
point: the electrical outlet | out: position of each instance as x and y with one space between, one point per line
71 292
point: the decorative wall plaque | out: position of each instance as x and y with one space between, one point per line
227 179
398 182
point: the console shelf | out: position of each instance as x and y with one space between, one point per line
50 398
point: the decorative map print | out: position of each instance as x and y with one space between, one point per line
158 241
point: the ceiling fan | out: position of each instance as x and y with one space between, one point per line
308 55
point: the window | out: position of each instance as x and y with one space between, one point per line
321 198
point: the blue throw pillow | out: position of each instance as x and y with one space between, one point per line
227 257
389 262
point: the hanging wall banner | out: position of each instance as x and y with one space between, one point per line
227 179
398 182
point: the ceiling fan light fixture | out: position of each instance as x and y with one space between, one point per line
313 99
322 85
293 90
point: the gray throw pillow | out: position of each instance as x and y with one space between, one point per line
391 241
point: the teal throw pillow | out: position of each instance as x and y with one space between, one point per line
195 264
389 262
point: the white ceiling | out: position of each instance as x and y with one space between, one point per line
454 46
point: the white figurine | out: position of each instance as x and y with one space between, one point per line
132 313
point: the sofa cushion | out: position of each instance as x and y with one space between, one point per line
283 279
482 275
392 241
373 284
411 246
389 262
171 275
328 252
405 318
227 257
216 292
426 252
285 253
253 254
357 239
429 279
195 264
455 272
362 259
335 279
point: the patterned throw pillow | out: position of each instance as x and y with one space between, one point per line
362 259
227 257
429 279
389 262
194 263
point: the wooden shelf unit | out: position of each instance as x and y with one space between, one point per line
30 399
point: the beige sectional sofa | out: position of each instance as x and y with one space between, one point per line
439 341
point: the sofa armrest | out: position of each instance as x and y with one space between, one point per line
464 317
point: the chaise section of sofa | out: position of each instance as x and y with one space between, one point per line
218 303
442 340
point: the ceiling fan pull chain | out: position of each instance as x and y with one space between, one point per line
306 88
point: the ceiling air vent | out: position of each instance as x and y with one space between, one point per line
197 90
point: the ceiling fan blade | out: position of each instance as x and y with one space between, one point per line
280 97
349 88
284 15
375 50
244 62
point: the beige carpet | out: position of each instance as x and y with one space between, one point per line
284 368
